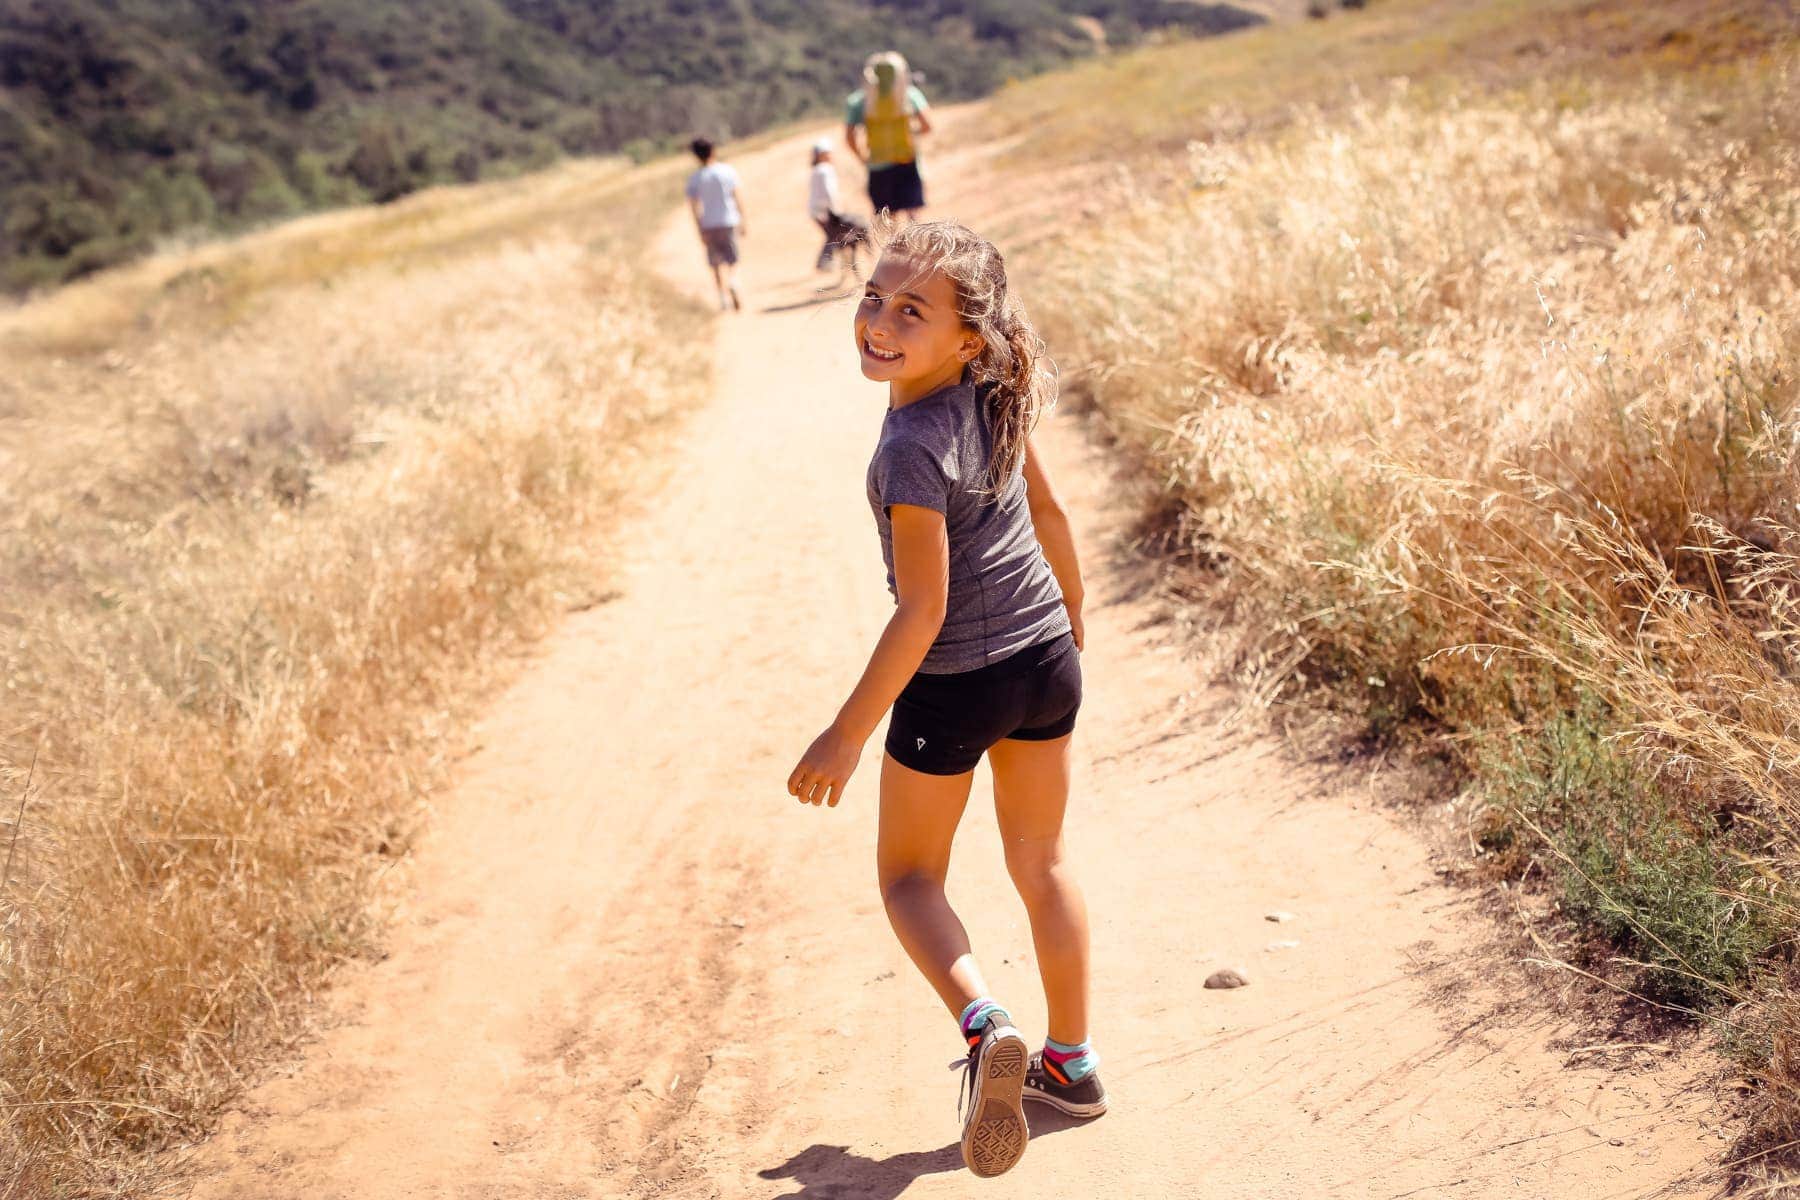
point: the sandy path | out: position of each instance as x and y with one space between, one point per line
626 964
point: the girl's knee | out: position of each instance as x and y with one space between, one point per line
1033 865
901 884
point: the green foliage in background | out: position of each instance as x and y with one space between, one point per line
124 120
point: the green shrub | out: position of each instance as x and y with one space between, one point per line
319 185
245 182
378 164
52 220
1661 879
167 199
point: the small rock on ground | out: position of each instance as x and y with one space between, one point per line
1280 918
1226 978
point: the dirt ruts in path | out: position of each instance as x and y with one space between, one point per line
626 964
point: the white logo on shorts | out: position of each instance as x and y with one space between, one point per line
921 745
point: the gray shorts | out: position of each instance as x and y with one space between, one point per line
721 245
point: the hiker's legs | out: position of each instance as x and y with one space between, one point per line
1031 792
919 814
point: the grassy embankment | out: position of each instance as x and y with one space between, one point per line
1473 405
274 510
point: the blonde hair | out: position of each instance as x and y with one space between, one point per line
872 82
1014 361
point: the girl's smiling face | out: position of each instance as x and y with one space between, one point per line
909 333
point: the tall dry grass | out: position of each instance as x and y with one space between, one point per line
1130 107
270 513
1482 417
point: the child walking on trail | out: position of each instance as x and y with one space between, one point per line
982 656
844 233
712 194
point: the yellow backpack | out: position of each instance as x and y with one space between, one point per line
887 120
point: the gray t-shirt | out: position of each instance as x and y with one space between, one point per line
934 453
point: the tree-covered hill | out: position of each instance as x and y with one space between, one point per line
122 120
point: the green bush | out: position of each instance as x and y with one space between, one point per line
245 182
378 164
1663 879
319 184
52 221
167 199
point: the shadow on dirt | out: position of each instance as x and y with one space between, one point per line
820 297
835 1173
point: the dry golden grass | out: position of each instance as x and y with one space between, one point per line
273 511
1135 106
1480 410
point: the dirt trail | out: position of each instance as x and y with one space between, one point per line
626 964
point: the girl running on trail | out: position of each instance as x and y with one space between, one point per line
981 656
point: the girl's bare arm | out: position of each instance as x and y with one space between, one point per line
1054 534
921 585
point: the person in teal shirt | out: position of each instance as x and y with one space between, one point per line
883 121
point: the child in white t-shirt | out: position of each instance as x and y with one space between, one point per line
718 206
842 231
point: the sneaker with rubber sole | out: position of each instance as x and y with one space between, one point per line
1083 1098
994 1130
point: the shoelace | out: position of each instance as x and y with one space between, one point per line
966 1091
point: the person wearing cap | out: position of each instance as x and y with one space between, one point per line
889 114
842 231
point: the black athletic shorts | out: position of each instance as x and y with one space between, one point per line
943 724
896 188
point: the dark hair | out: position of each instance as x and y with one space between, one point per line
702 148
1016 376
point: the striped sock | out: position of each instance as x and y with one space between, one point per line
1069 1064
976 1016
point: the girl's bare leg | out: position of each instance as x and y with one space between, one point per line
1031 792
919 815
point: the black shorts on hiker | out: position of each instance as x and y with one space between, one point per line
943 724
896 187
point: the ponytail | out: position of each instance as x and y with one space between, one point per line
1024 389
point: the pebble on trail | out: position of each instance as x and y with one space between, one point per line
1226 978
1279 918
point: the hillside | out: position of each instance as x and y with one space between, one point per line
127 120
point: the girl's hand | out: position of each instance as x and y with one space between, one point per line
1075 624
825 768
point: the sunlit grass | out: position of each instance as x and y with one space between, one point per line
1478 411
1150 104
271 513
